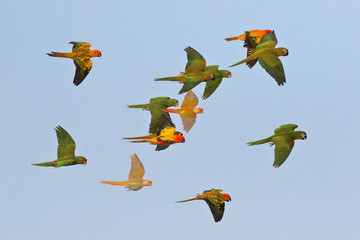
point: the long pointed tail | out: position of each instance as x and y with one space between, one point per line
144 106
115 183
172 110
175 79
188 200
45 164
266 140
142 137
57 54
240 37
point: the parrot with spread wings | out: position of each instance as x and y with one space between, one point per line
194 71
215 200
135 181
212 85
267 55
65 152
188 110
81 55
155 107
164 137
284 140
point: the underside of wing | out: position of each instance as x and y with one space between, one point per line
83 67
217 210
211 86
283 147
190 100
196 62
166 127
190 83
137 170
273 66
161 147
66 145
188 120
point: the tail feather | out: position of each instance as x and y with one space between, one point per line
265 140
241 37
175 79
172 110
115 183
57 54
142 137
188 200
145 106
45 164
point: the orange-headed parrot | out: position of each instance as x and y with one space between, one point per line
81 55
252 33
165 136
188 110
216 201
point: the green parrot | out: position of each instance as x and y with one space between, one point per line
155 106
66 151
267 55
194 72
211 86
284 142
215 200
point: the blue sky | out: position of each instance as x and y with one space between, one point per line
313 195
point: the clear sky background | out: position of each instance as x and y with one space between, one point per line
313 195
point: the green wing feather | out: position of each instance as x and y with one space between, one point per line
83 67
66 145
196 62
137 170
285 128
211 86
156 106
80 46
190 83
268 41
273 66
283 146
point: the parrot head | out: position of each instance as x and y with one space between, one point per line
81 160
227 197
198 110
303 135
179 137
173 102
147 183
95 53
225 73
282 51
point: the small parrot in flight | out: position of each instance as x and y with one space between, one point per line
212 85
267 55
194 71
284 140
65 152
155 106
165 136
216 201
135 181
81 55
188 110
252 33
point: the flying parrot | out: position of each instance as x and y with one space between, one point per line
267 55
216 201
211 86
284 140
165 136
135 181
65 152
81 55
194 71
155 106
188 110
252 33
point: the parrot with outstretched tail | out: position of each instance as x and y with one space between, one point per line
267 55
65 152
188 110
252 33
155 107
211 86
216 201
165 136
135 181
194 71
284 140
81 55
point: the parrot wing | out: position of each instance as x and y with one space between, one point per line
190 83
190 100
211 86
80 46
83 67
188 120
273 66
66 145
283 146
166 127
137 170
285 128
217 207
196 62
161 147
268 41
